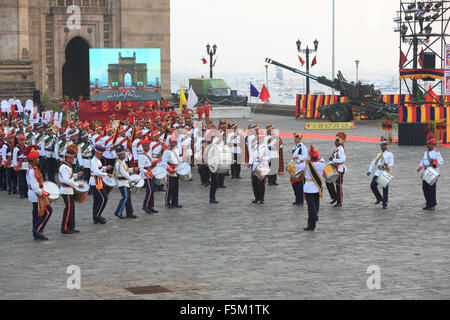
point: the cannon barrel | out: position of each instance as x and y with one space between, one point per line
291 69
322 80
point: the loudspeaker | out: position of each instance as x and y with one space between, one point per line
429 60
36 97
412 134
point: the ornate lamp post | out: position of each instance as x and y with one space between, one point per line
211 54
307 51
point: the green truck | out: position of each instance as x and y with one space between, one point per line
214 91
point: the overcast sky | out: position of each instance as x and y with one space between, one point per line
248 31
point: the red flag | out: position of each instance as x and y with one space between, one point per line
214 64
204 60
301 60
264 94
420 59
314 62
402 59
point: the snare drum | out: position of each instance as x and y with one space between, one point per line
160 174
330 174
184 171
110 182
261 171
294 171
53 190
430 176
219 158
81 194
137 183
384 179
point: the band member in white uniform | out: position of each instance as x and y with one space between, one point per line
337 160
66 177
259 154
170 160
42 210
124 182
433 158
98 172
234 142
313 186
146 164
299 155
384 161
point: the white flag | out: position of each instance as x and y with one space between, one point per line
192 99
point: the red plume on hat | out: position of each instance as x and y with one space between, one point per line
431 138
72 148
313 153
31 152
341 136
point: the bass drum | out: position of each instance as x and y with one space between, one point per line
219 158
110 182
261 171
137 183
81 194
160 174
184 171
53 190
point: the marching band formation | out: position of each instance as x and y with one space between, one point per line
156 153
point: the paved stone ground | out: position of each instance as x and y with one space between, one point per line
238 250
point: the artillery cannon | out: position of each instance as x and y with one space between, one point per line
361 98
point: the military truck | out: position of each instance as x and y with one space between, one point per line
214 91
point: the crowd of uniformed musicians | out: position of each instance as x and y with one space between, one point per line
33 153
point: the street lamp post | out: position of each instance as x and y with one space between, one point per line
211 54
357 64
307 51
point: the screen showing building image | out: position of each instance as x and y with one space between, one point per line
124 74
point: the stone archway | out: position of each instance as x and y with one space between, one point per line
128 80
75 72
117 72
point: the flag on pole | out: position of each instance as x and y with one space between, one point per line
421 59
253 91
264 94
214 64
204 60
183 101
314 62
301 60
192 99
402 59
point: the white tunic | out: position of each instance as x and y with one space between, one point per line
309 186
388 158
33 186
299 153
170 157
339 159
97 169
434 155
123 177
144 162
15 160
234 142
261 155
66 177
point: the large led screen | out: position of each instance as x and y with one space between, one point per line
125 74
